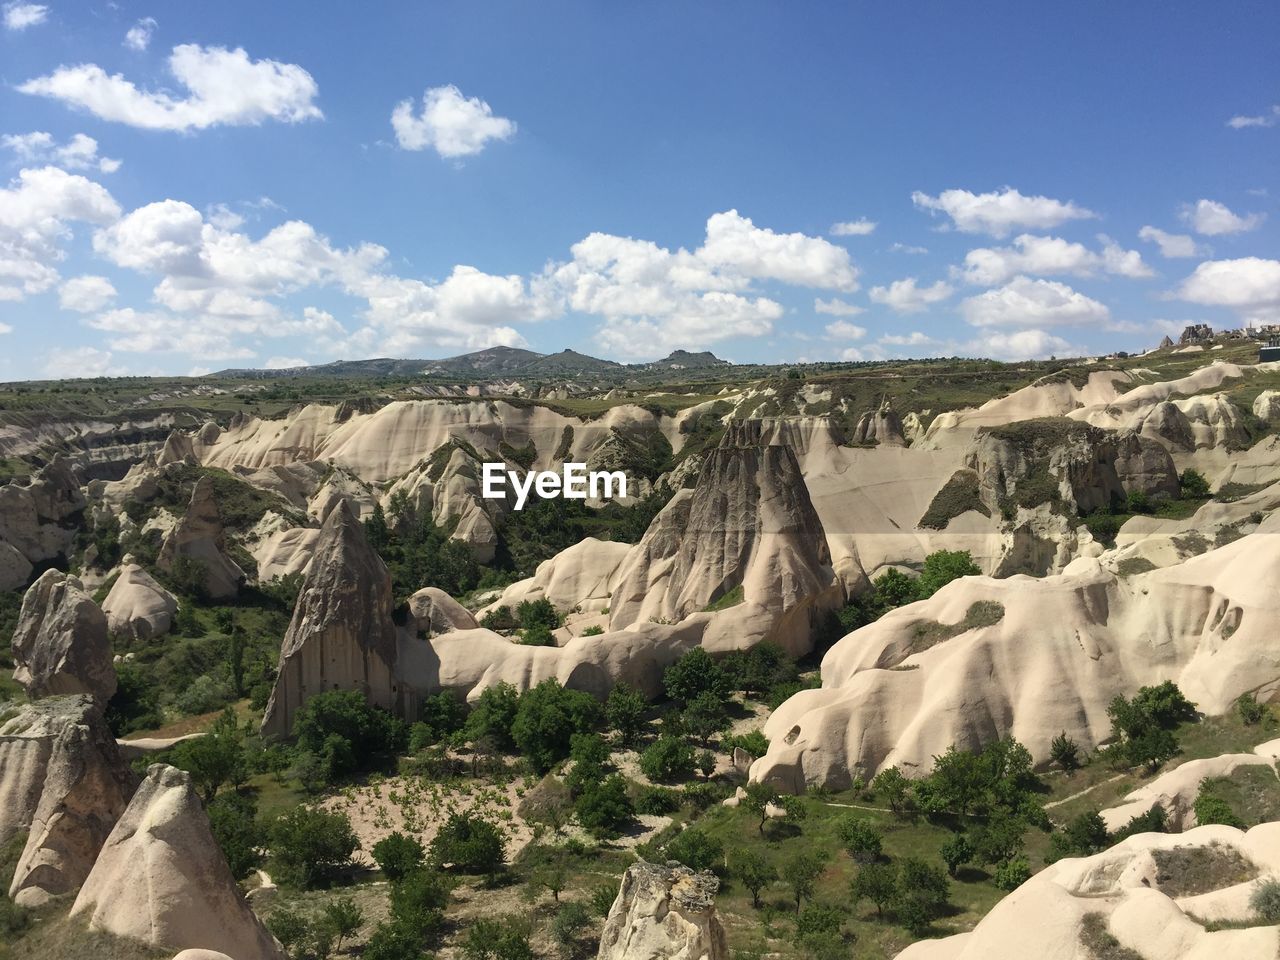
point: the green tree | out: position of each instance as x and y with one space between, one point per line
311 848
877 882
343 918
924 883
470 844
666 759
347 733
1081 836
493 714
392 940
705 716
398 855
759 797
956 852
568 925
1011 874
502 938
860 838
1194 485
752 870
418 902
693 674
1251 711
893 788
1065 752
624 712
1211 809
540 612
943 566
800 873
233 819
604 809
546 720
215 759
696 849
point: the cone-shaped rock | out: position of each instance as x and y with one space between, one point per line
161 878
664 913
63 781
341 636
61 644
199 537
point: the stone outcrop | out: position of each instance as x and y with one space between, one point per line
199 537
747 527
1266 405
61 643
456 499
882 427
434 612
1132 894
582 576
341 636
162 880
64 782
664 913
137 606
1202 422
36 520
1145 466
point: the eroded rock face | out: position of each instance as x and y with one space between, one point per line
161 878
137 606
882 426
1266 405
61 643
64 782
664 913
341 636
435 612
199 537
36 518
1144 465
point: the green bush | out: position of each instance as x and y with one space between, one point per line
418 902
493 715
1012 874
696 849
546 719
398 855
1194 485
604 809
1264 901
470 844
311 848
694 674
347 734
540 612
860 838
624 712
667 759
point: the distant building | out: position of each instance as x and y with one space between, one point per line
1196 333
1269 352
1165 344
1267 331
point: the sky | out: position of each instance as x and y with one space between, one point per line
190 187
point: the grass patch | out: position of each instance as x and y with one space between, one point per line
1131 566
1189 871
1253 793
730 599
958 495
929 633
1097 939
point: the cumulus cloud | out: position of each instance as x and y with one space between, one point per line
1268 119
835 307
284 363
1249 285
19 16
1213 219
1001 212
451 124
78 153
904 296
1023 345
87 294
1030 254
1024 302
844 330
224 87
139 35
907 248
853 228
37 210
1172 245
76 362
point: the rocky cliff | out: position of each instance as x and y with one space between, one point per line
61 643
198 537
664 913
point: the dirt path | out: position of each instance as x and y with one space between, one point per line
1084 792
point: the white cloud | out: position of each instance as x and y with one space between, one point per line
907 248
36 211
78 153
913 339
1249 285
1269 119
1031 254
1214 219
450 124
1000 213
284 363
139 36
1172 245
77 362
87 294
1022 345
903 296
737 247
844 330
853 228
835 307
19 16
1024 302
224 87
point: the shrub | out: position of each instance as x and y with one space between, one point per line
595 630
469 844
493 714
440 715
569 923
1012 874
943 566
342 918
657 801
503 938
1264 901
956 852
205 695
1211 809
667 759
538 635
311 848
1082 836
604 808
693 674
860 838
624 712
877 882
347 733
417 905
392 940
233 820
546 719
1250 710
1065 752
754 742
1194 485
398 855
696 849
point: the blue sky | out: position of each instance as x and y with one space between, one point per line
190 187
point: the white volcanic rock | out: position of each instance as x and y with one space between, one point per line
1062 648
1266 405
61 643
664 913
1121 887
583 575
456 499
161 878
1176 790
15 569
435 612
882 426
285 552
64 782
341 636
346 486
199 537
137 606
35 517
177 449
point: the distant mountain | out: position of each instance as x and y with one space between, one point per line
684 360
568 362
491 362
494 360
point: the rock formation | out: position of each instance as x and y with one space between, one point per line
35 520
1266 405
341 636
881 426
664 913
1145 466
199 537
984 659
161 878
584 575
434 612
137 606
64 782
1159 896
61 644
